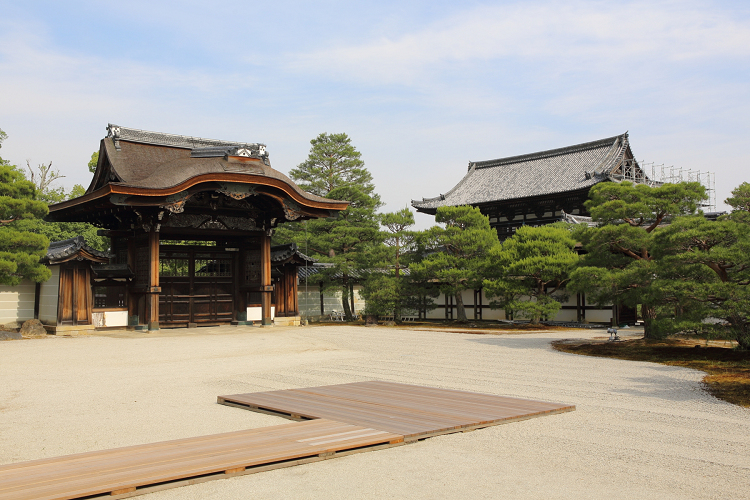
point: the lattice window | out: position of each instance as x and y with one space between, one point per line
141 266
252 267
206 267
109 296
121 257
174 267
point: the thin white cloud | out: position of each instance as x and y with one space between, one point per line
39 79
601 35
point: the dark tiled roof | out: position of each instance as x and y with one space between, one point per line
61 251
112 271
547 172
311 271
305 272
157 160
201 147
280 254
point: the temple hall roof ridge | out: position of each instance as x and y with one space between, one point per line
548 153
560 170
118 132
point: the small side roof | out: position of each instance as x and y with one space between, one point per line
73 248
289 253
547 172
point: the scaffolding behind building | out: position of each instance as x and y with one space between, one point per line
656 175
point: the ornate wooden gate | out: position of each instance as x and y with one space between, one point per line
197 285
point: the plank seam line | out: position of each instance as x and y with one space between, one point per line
344 434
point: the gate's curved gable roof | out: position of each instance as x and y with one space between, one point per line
544 173
156 160
145 164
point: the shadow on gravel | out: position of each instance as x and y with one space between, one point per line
664 388
514 342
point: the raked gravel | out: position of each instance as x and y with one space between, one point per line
640 430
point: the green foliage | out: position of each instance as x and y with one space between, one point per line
460 256
334 170
334 164
618 265
93 161
533 264
57 231
388 288
740 199
3 136
382 294
20 251
704 272
740 203
43 178
640 205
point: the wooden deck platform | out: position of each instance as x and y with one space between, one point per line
413 411
124 472
341 419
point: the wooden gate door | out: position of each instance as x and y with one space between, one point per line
197 286
74 297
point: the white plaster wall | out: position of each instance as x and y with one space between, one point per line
17 302
256 313
566 315
115 318
48 297
592 316
493 314
309 300
600 316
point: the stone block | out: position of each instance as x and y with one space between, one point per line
10 335
33 328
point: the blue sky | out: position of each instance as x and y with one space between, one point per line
422 88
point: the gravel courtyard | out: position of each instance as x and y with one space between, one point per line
640 430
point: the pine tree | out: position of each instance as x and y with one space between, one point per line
704 272
619 265
460 256
20 251
334 169
530 268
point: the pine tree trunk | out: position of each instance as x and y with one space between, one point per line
648 313
460 308
741 330
345 299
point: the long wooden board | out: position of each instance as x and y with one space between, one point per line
413 411
134 470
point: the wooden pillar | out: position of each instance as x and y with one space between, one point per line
293 305
239 312
322 302
265 279
152 294
132 298
280 296
583 306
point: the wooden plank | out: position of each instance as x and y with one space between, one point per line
368 415
406 409
124 470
